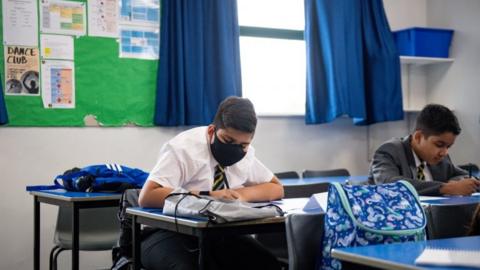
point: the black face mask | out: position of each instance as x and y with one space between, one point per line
226 154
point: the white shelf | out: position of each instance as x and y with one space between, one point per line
413 80
415 60
412 110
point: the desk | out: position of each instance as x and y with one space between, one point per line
453 200
354 180
202 229
75 200
401 256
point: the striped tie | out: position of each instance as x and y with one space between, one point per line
219 178
420 174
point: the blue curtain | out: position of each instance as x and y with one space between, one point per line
199 63
3 108
353 67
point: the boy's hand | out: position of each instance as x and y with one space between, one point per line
462 187
226 194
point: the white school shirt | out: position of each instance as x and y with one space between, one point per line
426 170
186 161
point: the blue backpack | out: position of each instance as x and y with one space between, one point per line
98 178
369 215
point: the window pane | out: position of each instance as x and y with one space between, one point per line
284 14
273 75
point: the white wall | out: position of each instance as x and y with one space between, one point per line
457 84
30 156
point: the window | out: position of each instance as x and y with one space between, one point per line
272 52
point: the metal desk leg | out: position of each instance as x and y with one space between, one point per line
36 233
75 237
136 243
202 245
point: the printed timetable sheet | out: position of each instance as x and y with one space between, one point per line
63 17
58 84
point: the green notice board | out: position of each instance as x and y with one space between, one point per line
116 91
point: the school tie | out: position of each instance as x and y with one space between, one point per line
420 174
219 178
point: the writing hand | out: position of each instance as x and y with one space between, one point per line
463 187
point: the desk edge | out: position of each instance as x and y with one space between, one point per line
365 260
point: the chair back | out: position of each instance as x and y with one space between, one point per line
320 173
304 190
99 228
447 221
287 175
470 167
304 238
307 190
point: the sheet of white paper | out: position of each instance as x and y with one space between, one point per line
56 47
20 22
425 198
322 199
316 201
449 257
103 18
63 17
58 84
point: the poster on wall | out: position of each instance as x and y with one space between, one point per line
139 42
103 18
56 47
140 12
20 22
63 17
21 70
58 84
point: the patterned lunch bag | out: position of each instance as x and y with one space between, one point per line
368 215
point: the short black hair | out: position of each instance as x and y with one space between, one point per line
236 113
435 119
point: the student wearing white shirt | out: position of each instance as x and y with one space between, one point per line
192 160
422 157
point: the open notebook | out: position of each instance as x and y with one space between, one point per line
432 256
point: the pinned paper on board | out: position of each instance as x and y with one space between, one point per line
20 22
21 70
139 42
103 18
140 12
56 47
58 84
63 17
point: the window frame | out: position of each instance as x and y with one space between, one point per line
274 33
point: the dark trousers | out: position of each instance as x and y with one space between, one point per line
171 250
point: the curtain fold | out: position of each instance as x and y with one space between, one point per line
199 63
353 67
3 108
